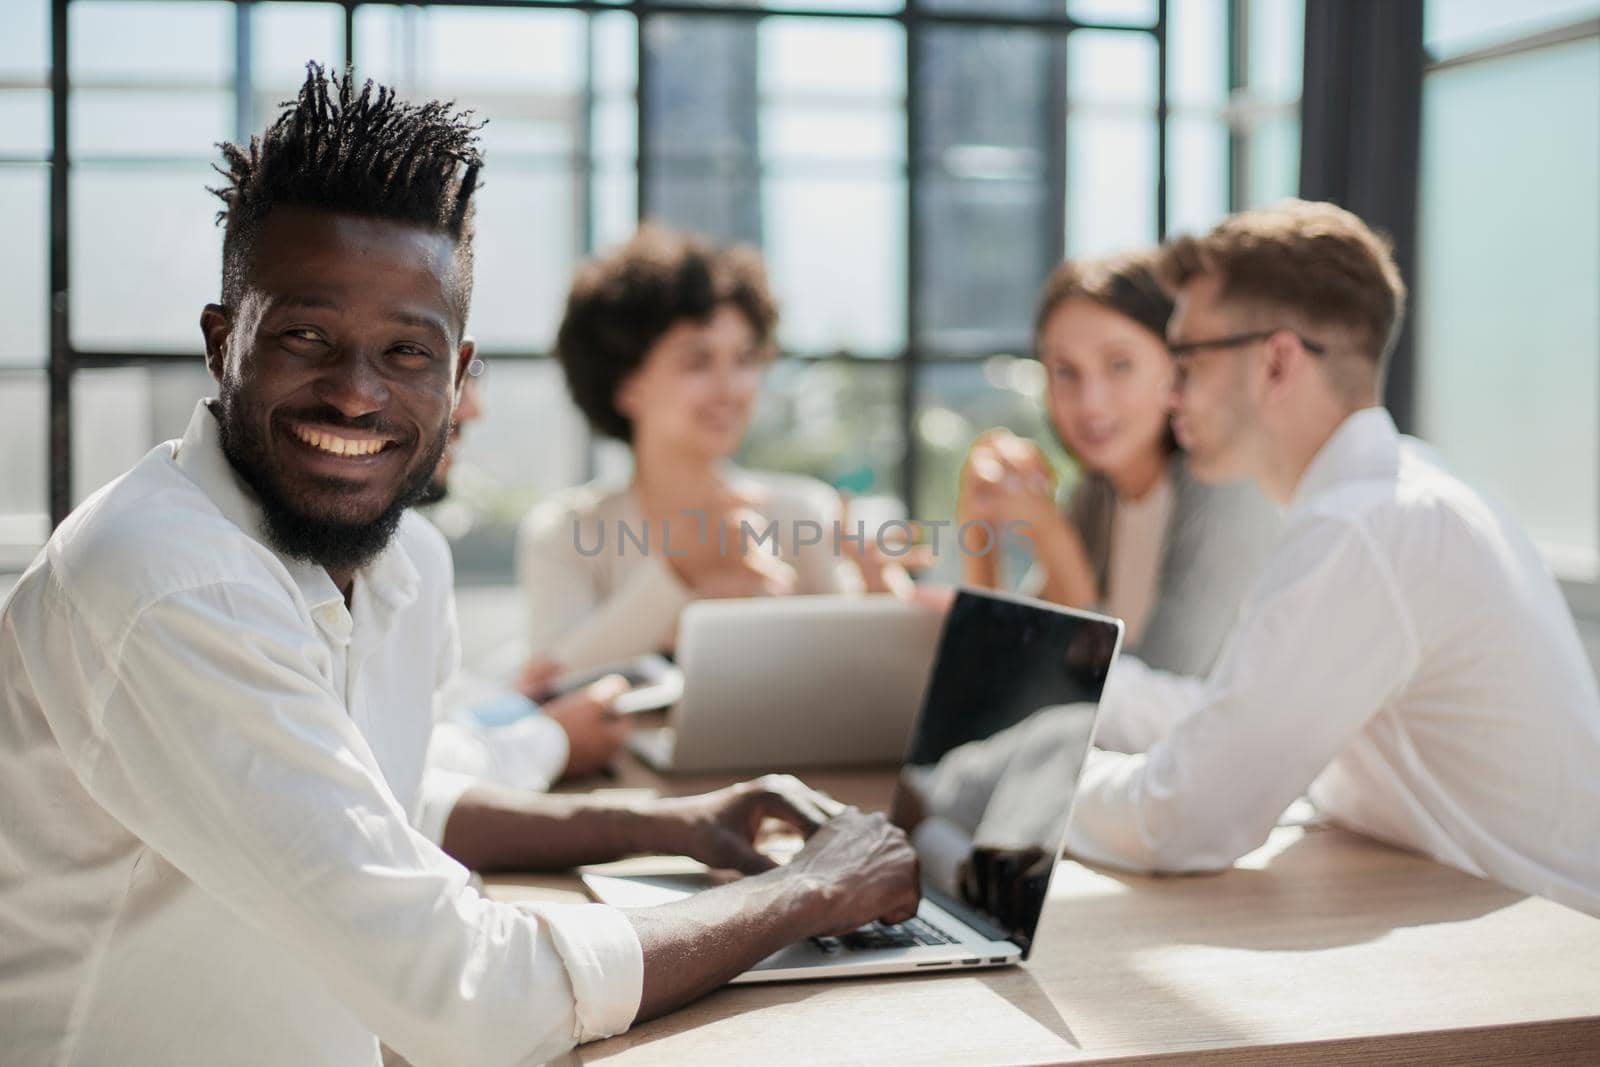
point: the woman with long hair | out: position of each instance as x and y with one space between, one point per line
1138 537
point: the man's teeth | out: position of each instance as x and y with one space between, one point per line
338 446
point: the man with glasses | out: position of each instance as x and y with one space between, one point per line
1406 656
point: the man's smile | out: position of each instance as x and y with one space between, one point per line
340 443
340 446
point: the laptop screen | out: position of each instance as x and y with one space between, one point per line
1006 722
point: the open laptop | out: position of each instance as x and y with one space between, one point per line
780 683
985 793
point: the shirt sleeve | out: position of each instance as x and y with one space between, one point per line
1324 644
223 748
530 753
1140 705
569 621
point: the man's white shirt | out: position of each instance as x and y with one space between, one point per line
1406 657
219 839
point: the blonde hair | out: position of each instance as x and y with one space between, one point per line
1316 261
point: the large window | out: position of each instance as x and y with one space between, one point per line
1508 310
910 173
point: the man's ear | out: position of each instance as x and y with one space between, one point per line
1286 360
215 327
464 358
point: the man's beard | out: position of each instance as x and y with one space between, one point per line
334 543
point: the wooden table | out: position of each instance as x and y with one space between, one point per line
1320 947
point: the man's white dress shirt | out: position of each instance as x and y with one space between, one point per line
218 843
1406 657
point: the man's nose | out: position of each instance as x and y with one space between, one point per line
352 384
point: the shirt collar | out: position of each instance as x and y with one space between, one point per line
391 579
1366 445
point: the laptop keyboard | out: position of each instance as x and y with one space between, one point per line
909 934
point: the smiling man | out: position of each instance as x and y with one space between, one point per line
1406 656
221 841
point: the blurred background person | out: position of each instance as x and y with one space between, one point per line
485 731
1138 538
664 344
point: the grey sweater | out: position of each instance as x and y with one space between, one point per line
1215 542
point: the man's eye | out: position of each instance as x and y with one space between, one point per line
301 333
412 353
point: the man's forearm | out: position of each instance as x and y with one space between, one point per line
695 945
497 828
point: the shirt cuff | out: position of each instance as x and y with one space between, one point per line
439 793
604 962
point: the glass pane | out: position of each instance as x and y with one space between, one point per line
1111 184
25 123
990 111
699 198
986 252
24 266
703 131
25 46
1115 12
832 419
528 239
1277 48
138 123
1273 150
815 5
1451 27
835 58
702 100
492 50
283 37
832 91
140 277
1508 301
151 43
24 491
615 206
614 129
529 441
988 90
119 414
1197 53
996 7
522 70
1197 173
836 253
616 53
1106 67
957 402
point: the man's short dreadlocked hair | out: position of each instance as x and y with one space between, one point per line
364 153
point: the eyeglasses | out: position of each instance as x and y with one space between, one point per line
1189 348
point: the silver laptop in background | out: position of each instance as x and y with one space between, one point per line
985 793
777 684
